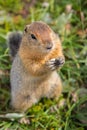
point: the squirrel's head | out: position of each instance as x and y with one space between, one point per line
40 37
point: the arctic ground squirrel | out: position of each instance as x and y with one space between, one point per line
37 55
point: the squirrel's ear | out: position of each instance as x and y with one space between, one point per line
26 29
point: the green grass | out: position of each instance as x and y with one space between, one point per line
70 111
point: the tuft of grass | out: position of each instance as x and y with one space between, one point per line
69 20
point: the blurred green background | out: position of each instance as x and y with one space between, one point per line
68 18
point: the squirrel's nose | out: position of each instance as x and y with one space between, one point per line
49 46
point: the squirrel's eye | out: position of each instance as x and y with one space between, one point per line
33 37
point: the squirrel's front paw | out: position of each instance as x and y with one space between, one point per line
54 64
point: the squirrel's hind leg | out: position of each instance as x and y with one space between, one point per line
22 103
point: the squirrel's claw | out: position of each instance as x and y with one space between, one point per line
56 63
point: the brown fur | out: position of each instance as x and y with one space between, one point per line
36 78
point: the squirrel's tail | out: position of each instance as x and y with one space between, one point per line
14 40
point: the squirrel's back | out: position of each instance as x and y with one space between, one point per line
14 40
